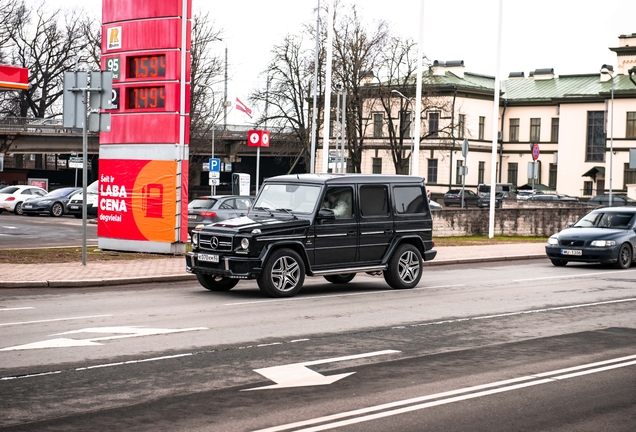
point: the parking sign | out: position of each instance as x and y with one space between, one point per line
215 165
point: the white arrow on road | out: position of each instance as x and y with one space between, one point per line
121 332
298 375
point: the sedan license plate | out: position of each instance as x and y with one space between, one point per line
27 206
73 207
208 258
192 216
571 252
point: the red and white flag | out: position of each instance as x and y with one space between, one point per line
242 107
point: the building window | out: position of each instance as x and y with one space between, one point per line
595 144
587 188
514 130
405 124
513 172
378 121
377 165
554 136
432 171
461 126
482 125
480 172
631 125
552 182
458 170
535 130
433 124
629 176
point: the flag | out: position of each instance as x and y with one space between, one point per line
242 107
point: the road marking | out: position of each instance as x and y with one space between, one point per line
509 314
122 332
17 308
576 276
400 407
298 375
53 320
339 295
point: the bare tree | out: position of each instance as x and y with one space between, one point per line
357 51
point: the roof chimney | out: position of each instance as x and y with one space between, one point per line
543 74
439 68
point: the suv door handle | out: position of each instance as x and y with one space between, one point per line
389 231
352 233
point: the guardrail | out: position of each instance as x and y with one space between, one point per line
35 125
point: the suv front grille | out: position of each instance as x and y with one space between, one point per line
215 243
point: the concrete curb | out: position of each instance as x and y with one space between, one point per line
86 283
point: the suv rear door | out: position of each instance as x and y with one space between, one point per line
376 222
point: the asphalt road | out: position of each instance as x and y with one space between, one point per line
44 231
487 347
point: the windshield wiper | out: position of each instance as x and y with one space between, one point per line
288 211
264 209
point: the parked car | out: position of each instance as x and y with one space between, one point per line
13 197
617 200
209 209
53 203
434 205
74 206
454 197
484 200
319 225
527 193
605 235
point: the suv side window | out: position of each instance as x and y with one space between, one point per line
374 201
340 200
409 200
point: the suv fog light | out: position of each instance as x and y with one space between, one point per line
245 243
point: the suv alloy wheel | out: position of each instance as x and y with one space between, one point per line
283 274
405 267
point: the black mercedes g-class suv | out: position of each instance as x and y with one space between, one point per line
331 225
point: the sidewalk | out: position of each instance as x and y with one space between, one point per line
103 273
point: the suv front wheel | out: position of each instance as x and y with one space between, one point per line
405 267
283 274
216 283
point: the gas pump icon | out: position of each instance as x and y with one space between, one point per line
152 200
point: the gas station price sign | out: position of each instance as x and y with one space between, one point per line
146 97
150 66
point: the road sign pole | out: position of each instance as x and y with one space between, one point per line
258 166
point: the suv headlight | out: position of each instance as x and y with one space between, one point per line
554 240
195 240
245 243
603 243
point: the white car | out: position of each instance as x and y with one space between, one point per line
74 206
12 197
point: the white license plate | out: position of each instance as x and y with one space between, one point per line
73 207
208 258
192 216
571 252
27 206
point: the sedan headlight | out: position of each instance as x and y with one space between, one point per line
554 240
245 243
603 243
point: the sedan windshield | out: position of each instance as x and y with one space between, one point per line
293 198
616 220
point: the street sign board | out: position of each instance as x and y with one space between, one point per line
75 162
214 174
215 165
214 182
465 148
535 152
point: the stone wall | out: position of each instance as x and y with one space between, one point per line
522 220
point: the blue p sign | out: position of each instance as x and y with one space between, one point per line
215 165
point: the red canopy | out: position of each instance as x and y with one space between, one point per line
14 78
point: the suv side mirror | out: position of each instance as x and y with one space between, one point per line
326 214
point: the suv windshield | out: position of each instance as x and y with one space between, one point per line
293 198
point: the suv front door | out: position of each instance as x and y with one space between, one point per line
336 240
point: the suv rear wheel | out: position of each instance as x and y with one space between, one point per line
216 283
283 274
341 278
405 267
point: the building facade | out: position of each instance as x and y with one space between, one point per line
574 119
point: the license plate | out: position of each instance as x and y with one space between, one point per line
571 252
192 216
73 207
208 258
27 206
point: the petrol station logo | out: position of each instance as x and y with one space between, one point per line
113 38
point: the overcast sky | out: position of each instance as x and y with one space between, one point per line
571 36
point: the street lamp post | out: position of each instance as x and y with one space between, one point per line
609 70
410 127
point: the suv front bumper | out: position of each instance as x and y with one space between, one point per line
231 266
